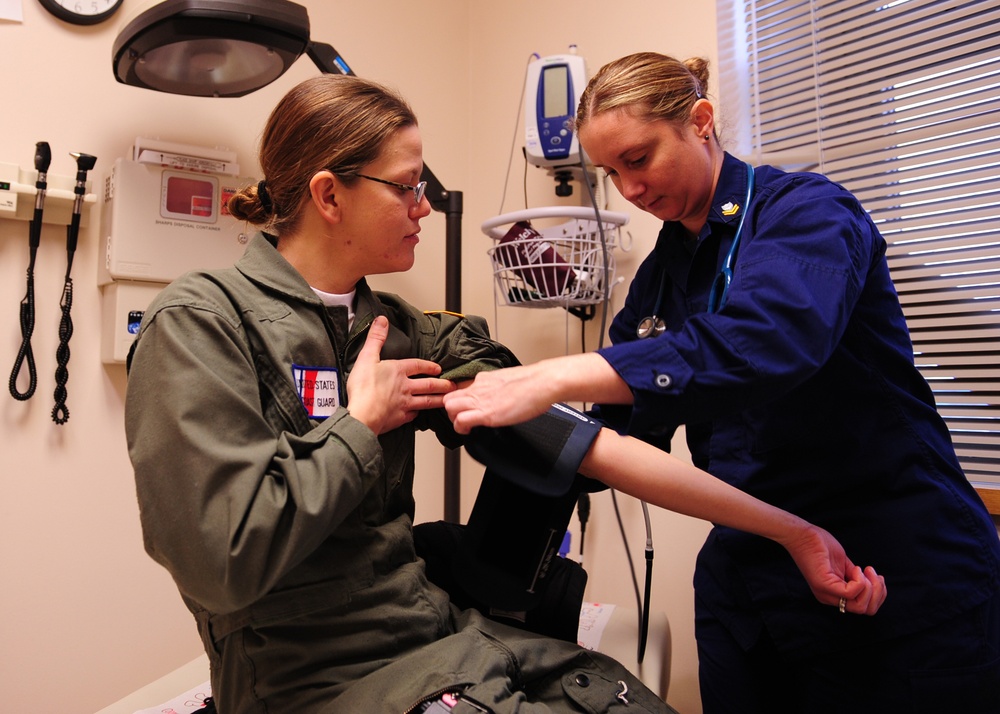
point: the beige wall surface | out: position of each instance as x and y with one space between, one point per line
87 617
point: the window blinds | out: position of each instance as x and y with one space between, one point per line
899 102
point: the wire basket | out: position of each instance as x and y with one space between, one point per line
566 265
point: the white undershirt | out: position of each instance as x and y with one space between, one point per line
332 299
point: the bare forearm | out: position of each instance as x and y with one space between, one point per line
651 475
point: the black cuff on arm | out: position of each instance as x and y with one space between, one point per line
542 455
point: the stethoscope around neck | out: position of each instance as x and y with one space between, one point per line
654 325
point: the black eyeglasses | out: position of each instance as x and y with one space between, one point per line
418 190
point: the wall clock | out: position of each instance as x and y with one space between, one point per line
82 12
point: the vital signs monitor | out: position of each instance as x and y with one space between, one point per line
553 88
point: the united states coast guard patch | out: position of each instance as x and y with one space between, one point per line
318 388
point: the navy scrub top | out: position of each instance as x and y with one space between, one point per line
802 391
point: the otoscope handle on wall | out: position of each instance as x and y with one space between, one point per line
43 157
84 163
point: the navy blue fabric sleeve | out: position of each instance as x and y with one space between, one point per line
803 260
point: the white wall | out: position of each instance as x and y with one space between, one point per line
83 608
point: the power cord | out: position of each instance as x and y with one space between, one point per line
513 140
642 603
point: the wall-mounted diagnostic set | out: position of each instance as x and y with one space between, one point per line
69 197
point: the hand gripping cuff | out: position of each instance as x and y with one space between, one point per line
542 455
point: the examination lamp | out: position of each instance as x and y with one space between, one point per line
229 48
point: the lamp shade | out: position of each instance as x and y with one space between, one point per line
210 48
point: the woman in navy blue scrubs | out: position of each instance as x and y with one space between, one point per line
766 322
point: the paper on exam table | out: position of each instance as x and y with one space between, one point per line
594 617
190 702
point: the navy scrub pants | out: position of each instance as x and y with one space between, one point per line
952 667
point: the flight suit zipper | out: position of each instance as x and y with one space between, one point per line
454 694
354 334
341 354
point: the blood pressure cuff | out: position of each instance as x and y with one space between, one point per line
542 455
507 560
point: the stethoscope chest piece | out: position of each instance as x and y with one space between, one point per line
651 326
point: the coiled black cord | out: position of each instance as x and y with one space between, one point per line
43 157
25 356
84 163
60 414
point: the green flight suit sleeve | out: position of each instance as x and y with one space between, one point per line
460 344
